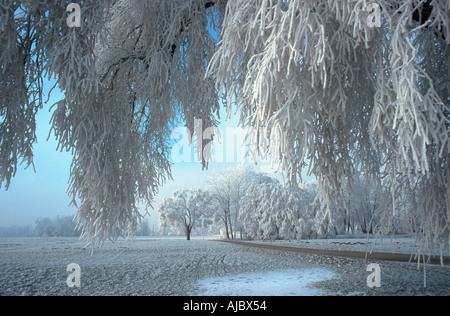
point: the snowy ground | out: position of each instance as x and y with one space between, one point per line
273 283
199 267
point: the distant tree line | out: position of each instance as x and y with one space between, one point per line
241 203
16 231
60 226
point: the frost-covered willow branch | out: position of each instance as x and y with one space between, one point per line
129 72
342 96
21 70
151 69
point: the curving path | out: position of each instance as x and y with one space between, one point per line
384 256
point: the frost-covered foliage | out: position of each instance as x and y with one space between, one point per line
342 96
227 189
330 91
269 211
129 72
186 210
248 204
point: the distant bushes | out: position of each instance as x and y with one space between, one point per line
60 226
16 231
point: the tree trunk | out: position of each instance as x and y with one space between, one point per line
226 228
188 233
231 230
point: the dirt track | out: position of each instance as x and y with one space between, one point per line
348 254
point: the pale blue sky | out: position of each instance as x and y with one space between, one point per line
43 193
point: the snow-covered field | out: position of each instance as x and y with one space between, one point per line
199 267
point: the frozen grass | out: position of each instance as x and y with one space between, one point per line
199 267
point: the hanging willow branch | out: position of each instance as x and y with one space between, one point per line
342 97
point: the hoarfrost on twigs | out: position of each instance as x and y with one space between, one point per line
331 92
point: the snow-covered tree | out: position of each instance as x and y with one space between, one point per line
330 90
227 187
338 94
144 229
186 210
270 211
365 202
